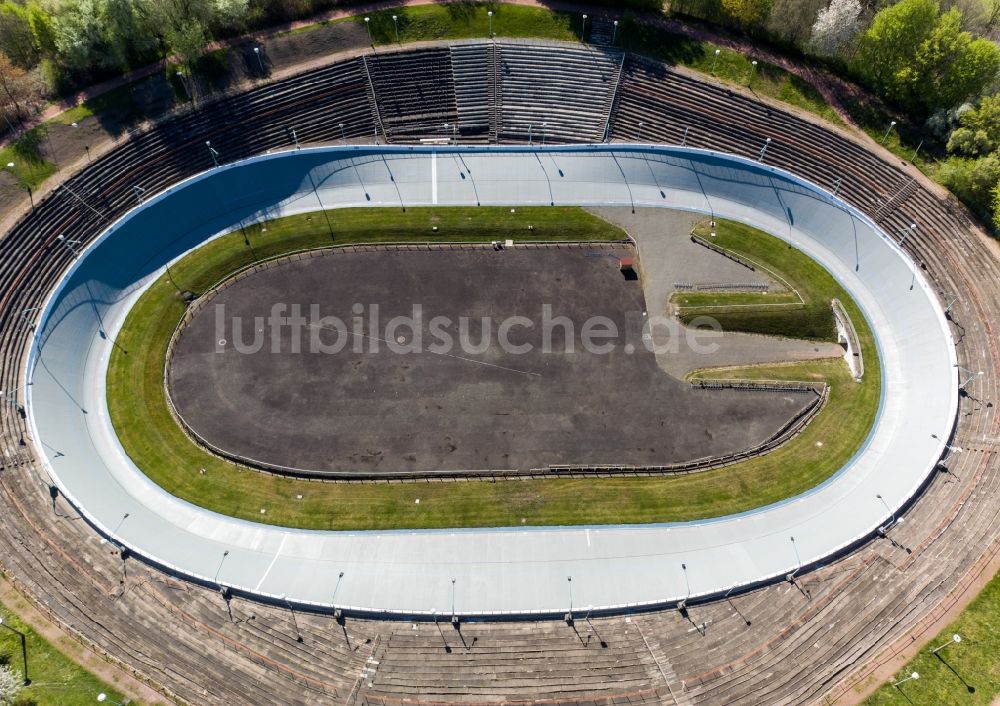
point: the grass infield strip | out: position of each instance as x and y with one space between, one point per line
158 446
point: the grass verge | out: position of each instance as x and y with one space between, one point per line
30 168
802 313
158 446
963 673
55 679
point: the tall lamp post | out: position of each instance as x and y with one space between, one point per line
715 61
395 25
260 63
955 639
886 137
583 31
753 70
368 26
104 698
490 15
22 183
614 32
24 648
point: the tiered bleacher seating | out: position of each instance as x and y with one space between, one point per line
415 93
568 89
473 76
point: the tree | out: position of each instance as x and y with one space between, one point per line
836 26
996 207
747 13
790 20
129 32
888 46
15 84
76 29
230 16
15 34
11 684
949 65
924 61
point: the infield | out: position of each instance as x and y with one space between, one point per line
390 360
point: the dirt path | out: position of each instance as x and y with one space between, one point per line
123 681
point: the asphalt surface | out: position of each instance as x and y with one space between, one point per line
369 409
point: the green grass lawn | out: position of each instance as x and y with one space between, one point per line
152 438
780 314
468 21
963 673
55 679
31 167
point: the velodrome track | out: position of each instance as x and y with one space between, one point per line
495 571
778 644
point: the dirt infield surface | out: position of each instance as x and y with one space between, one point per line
307 365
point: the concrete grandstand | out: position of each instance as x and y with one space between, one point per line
68 437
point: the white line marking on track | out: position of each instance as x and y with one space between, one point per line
434 177
273 561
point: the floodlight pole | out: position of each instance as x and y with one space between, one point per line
23 183
24 648
343 135
912 677
260 63
892 514
614 32
972 376
753 70
489 14
569 583
913 157
395 24
211 151
715 61
955 639
69 244
368 26
583 31
884 138
906 234
102 697
333 598
763 150
180 77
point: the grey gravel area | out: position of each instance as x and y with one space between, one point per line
668 256
378 411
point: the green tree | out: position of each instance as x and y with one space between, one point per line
996 207
979 129
747 13
950 66
15 34
923 60
76 29
129 32
886 50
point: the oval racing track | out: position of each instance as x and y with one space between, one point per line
515 571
